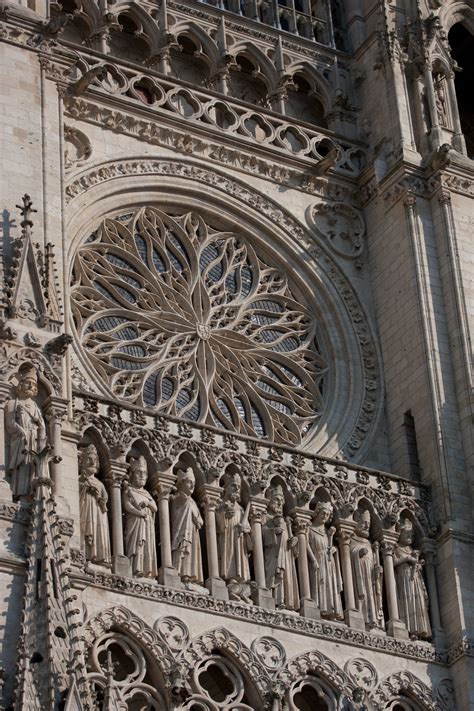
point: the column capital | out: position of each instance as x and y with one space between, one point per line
116 473
344 530
210 496
258 508
163 484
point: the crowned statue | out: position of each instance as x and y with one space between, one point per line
186 522
324 565
366 571
233 534
280 550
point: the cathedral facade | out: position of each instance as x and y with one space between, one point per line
236 438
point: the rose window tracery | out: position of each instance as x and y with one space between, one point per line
190 320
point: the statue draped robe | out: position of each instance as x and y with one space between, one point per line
233 544
26 430
140 532
411 593
279 558
325 576
94 521
185 543
367 585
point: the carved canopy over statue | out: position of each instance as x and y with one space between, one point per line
140 510
25 429
93 507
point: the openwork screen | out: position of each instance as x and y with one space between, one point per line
178 316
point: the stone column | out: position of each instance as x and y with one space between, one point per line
262 596
429 553
116 474
162 487
209 497
352 616
55 414
308 606
459 142
395 627
5 488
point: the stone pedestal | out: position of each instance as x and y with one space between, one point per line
169 577
217 588
309 609
121 565
354 619
397 628
263 598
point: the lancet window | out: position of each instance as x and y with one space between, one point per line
462 47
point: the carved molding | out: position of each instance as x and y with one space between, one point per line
422 651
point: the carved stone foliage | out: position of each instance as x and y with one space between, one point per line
157 296
341 228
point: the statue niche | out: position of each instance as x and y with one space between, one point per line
234 539
411 590
93 507
366 571
324 565
25 429
140 510
280 551
186 523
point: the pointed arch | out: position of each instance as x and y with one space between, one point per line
404 684
316 663
121 619
223 642
197 34
265 68
454 12
319 85
149 31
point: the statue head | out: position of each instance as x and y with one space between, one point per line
88 460
276 500
186 481
406 532
322 512
363 520
232 487
27 381
138 472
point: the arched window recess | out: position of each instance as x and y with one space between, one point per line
461 41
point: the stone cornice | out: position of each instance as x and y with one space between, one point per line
420 651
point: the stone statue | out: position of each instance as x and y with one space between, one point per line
367 572
140 511
324 565
280 550
233 534
440 98
25 429
93 507
411 590
185 524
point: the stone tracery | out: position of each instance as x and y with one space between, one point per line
194 323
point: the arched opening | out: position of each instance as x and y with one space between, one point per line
219 680
303 105
126 42
462 50
186 63
312 694
244 85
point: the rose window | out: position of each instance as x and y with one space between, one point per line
189 320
